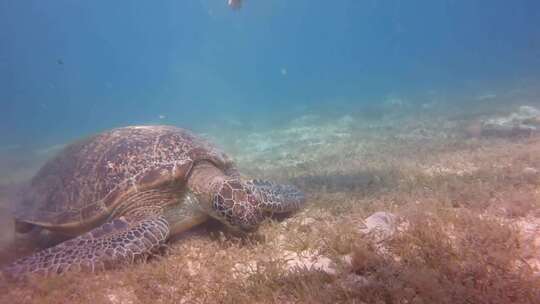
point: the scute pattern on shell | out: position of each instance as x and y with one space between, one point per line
87 177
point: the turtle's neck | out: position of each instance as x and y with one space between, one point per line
204 181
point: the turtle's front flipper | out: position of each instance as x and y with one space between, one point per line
117 242
276 198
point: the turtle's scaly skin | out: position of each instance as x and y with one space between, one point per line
271 196
124 192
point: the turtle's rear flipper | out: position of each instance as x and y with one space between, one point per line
120 241
277 198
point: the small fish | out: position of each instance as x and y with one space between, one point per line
235 4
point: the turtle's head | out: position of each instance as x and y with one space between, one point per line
237 207
225 197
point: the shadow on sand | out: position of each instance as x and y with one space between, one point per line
361 182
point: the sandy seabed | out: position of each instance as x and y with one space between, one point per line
414 206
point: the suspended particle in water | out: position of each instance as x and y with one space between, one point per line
235 4
161 116
283 71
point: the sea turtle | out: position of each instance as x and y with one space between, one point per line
122 193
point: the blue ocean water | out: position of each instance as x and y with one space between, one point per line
69 68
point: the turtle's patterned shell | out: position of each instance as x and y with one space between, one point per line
86 179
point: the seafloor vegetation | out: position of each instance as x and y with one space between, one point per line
458 222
